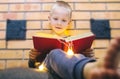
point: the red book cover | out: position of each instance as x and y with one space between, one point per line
80 45
46 42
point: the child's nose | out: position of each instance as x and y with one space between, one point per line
59 22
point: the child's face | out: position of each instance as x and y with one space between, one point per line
59 20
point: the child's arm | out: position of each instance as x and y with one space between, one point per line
88 53
32 58
35 58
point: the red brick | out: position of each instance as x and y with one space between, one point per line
113 6
47 6
114 24
2 64
54 1
101 43
17 63
76 0
30 33
45 25
25 7
2 44
81 15
2 25
16 16
2 34
83 24
106 15
100 53
115 33
40 1
90 6
105 0
20 44
99 15
11 54
113 15
26 54
3 7
11 1
37 16
33 24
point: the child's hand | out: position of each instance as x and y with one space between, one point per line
33 54
35 58
88 53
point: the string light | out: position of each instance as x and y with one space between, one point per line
69 45
41 67
70 52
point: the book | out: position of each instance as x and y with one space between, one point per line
45 42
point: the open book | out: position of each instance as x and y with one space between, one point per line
44 42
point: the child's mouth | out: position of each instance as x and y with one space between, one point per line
58 27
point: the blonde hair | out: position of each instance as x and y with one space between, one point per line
62 4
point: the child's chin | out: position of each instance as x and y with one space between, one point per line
60 32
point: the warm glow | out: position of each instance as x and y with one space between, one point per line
70 52
41 67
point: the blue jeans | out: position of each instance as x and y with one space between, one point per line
62 66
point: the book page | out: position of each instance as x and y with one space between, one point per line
79 36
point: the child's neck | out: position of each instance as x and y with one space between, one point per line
60 35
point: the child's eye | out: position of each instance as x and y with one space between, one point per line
55 18
64 20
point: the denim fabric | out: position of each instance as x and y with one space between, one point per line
64 66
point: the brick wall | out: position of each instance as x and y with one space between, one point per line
14 53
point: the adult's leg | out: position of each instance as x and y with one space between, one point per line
105 68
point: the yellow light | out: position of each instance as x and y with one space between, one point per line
41 67
70 52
